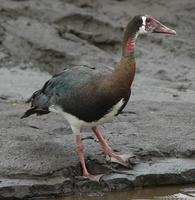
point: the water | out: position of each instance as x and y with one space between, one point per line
168 192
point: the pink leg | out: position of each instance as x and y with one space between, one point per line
120 158
82 160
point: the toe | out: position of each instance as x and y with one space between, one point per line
95 178
126 160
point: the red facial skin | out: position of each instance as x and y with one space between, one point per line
131 44
153 25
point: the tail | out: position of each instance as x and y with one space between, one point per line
39 104
34 110
28 113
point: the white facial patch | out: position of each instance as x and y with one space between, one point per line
142 29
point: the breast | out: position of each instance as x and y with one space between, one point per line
112 112
107 117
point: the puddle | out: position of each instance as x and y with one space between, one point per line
166 192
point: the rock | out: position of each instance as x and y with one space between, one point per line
162 172
22 188
34 162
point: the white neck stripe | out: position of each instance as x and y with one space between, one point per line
142 28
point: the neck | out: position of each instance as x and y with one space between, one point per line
125 70
129 46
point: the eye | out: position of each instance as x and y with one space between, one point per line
148 20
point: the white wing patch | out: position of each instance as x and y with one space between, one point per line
142 29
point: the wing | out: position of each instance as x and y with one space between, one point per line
69 79
80 91
66 82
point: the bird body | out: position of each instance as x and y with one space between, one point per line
84 96
87 97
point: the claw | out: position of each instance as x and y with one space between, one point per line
123 159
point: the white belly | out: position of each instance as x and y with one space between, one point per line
77 123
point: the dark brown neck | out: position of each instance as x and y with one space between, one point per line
125 70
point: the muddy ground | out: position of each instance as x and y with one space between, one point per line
41 37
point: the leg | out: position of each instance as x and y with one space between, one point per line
79 147
120 158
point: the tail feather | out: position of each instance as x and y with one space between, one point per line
39 104
34 110
28 113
